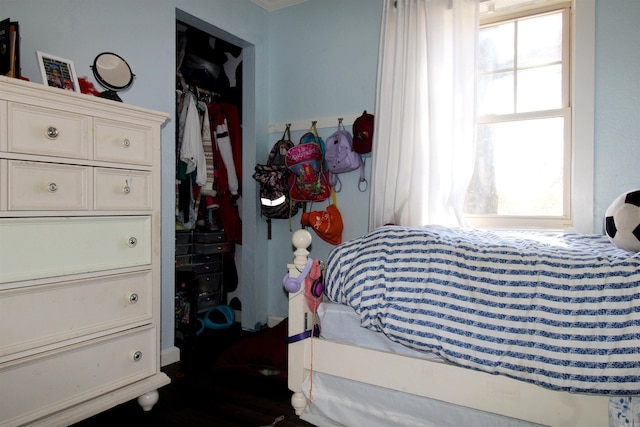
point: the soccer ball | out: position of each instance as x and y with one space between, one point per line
622 221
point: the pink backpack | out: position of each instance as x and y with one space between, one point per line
308 178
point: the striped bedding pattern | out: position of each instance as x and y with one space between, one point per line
554 309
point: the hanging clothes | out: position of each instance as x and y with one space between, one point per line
208 188
191 150
183 204
223 142
226 116
229 166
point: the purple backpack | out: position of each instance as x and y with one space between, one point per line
340 156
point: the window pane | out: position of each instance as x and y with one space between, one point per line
495 94
540 89
540 40
496 47
519 169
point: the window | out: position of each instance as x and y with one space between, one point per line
525 156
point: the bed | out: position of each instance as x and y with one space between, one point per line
449 326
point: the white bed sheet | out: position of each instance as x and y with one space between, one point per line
341 323
338 402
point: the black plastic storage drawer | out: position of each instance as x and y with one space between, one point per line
206 258
183 237
209 282
183 261
207 268
208 300
208 236
212 248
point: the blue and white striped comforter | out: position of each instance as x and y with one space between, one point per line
558 310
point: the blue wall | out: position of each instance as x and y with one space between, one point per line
617 102
323 59
313 60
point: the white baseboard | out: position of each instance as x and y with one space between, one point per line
169 355
274 320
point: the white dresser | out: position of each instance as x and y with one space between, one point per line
79 254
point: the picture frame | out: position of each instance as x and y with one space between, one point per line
58 72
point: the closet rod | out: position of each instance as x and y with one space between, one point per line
206 92
326 122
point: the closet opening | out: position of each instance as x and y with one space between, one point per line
209 181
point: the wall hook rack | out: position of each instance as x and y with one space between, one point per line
322 123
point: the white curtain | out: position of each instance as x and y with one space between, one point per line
425 112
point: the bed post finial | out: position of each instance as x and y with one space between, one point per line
301 239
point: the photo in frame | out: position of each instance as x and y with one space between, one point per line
58 72
9 48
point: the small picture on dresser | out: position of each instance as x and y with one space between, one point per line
58 72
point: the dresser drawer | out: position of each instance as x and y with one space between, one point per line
4 187
70 309
47 186
47 132
75 374
49 247
123 142
117 189
3 127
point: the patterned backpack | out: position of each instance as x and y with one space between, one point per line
273 179
309 178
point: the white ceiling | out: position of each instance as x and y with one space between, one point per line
271 5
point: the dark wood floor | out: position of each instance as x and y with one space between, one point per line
203 394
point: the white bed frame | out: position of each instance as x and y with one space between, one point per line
435 380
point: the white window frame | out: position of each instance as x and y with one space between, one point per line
579 203
582 97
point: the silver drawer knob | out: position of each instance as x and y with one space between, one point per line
136 356
126 189
52 187
133 298
132 242
52 133
126 143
